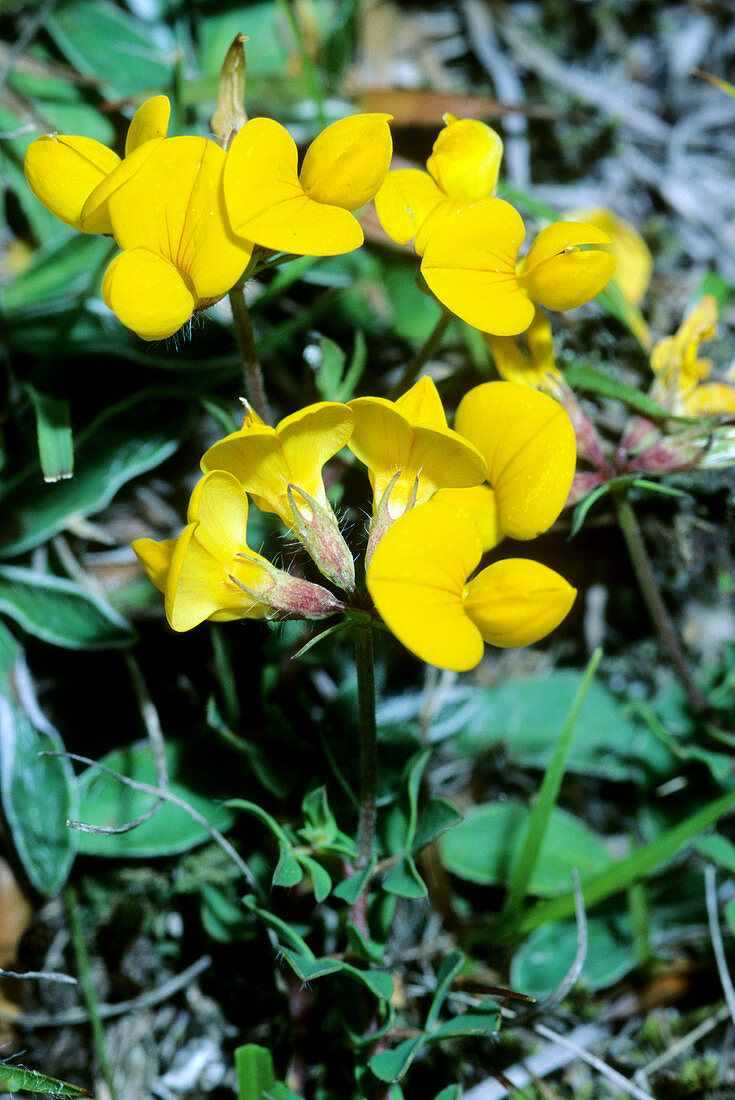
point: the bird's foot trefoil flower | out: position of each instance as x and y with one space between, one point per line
271 202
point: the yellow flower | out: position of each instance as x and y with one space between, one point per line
419 581
164 203
210 572
463 169
62 170
409 452
471 264
528 443
633 260
681 375
536 367
281 469
271 203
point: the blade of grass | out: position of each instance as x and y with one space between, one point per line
630 870
539 820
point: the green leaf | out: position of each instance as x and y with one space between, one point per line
392 1065
619 306
637 865
350 888
545 957
122 443
485 847
10 652
713 283
538 822
19 1078
53 430
405 880
451 1092
581 510
102 41
581 376
718 849
284 930
60 272
321 882
310 969
658 487
362 946
255 1074
438 816
474 1022
104 800
37 795
610 741
448 971
288 869
60 611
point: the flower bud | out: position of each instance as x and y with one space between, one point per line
563 269
516 602
466 159
346 164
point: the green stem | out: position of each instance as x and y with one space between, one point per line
253 374
368 743
85 977
423 355
643 570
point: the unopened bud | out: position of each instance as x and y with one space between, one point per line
229 115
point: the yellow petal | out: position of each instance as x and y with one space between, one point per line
62 171
155 557
95 216
198 587
219 505
517 602
466 160
416 579
528 442
172 203
563 269
309 438
346 164
267 204
404 202
470 264
710 399
382 438
479 503
537 368
147 293
421 404
149 121
267 460
633 260
443 459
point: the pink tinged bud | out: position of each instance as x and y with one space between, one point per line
316 528
229 116
289 597
582 485
670 453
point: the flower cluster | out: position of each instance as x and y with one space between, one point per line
470 241
189 216
441 497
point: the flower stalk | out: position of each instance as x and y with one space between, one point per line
365 668
254 384
633 536
422 356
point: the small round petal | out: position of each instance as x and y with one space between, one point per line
563 268
155 557
149 121
633 260
528 442
62 171
147 293
470 265
709 399
480 504
346 164
267 204
517 602
466 160
416 579
404 202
